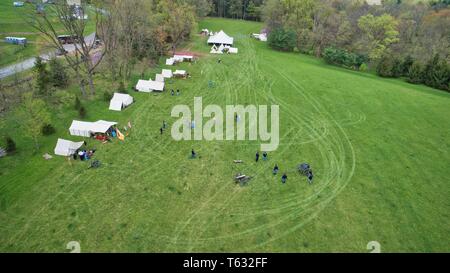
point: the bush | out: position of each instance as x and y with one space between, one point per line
281 39
10 145
397 68
107 96
437 73
77 103
62 98
384 67
363 67
406 65
415 73
82 112
48 129
122 88
343 58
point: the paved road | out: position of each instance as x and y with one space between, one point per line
29 63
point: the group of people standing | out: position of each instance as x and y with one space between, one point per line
164 127
173 92
83 154
276 169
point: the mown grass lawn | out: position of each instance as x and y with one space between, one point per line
379 149
13 22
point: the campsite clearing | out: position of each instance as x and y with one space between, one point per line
378 147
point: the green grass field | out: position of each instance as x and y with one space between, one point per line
379 149
13 23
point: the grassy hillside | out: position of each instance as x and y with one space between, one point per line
13 23
379 149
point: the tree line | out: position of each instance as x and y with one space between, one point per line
237 9
407 39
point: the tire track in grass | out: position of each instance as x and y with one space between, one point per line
216 237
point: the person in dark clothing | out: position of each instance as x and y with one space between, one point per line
193 154
265 156
164 124
310 177
178 92
172 93
275 169
257 156
284 178
161 130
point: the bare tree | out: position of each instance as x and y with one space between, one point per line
61 18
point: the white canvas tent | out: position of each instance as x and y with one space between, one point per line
182 58
215 50
263 37
167 73
178 58
159 78
67 147
233 50
120 101
170 61
180 73
221 38
149 86
84 128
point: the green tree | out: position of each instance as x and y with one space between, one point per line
406 65
82 112
178 20
107 96
34 116
58 74
202 7
77 104
253 11
273 13
415 73
385 67
379 33
10 145
437 73
300 18
42 77
281 39
235 8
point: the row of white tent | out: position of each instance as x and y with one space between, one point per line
86 128
158 84
81 128
223 49
262 36
149 86
179 59
118 102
